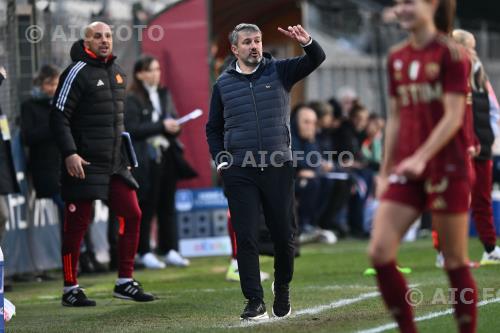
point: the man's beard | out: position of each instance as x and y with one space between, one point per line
252 62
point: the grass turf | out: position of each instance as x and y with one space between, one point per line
198 299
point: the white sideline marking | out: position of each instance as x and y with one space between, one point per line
320 308
314 310
428 316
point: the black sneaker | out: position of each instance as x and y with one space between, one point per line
76 297
132 291
254 310
281 305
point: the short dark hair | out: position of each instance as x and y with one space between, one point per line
45 72
233 35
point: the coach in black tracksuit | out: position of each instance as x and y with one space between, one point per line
87 121
249 118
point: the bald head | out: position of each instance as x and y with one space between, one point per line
99 39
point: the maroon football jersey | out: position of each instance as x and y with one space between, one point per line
418 79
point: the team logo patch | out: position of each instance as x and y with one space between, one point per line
432 70
398 64
119 79
438 187
439 203
72 208
100 83
414 69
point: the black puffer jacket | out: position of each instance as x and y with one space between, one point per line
138 122
44 158
8 181
87 119
482 125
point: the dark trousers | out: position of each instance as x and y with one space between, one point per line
307 191
481 206
246 190
160 201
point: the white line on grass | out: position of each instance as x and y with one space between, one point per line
317 309
314 310
428 316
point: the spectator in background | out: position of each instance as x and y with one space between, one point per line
44 158
8 180
348 138
371 148
150 118
324 128
337 115
348 98
351 132
307 185
310 166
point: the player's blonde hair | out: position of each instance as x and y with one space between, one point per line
467 39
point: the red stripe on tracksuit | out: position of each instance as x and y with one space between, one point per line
123 201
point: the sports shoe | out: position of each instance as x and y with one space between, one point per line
175 259
255 310
281 305
492 258
132 290
77 298
440 260
150 261
233 274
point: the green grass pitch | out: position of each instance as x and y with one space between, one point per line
329 294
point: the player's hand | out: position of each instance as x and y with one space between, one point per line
171 126
474 151
411 167
297 33
381 185
74 165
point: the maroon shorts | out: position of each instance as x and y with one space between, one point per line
445 195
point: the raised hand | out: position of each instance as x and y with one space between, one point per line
297 33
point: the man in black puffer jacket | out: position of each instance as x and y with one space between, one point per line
87 121
249 127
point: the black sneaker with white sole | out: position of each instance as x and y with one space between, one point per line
133 291
255 310
77 298
281 305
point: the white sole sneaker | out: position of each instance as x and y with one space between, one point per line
120 296
287 315
263 316
272 310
